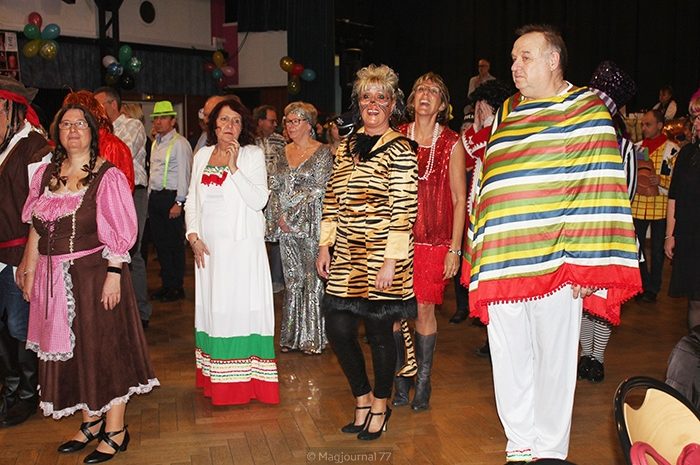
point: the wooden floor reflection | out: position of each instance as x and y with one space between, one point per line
175 425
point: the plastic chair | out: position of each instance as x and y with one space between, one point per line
666 420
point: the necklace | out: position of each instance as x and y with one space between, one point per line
431 157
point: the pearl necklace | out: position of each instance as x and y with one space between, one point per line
431 158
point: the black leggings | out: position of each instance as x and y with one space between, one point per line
341 327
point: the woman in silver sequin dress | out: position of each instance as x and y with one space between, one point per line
297 184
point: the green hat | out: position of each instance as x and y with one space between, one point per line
163 108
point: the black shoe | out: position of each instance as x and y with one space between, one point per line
584 366
352 427
648 297
144 324
365 435
483 351
459 316
98 457
75 446
19 412
596 372
173 294
160 293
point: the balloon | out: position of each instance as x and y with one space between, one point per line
217 74
35 19
108 60
220 83
124 54
134 65
50 32
31 48
294 86
209 67
218 59
31 31
49 49
308 74
286 64
228 71
297 69
111 80
115 69
127 81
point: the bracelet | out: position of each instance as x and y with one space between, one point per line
114 269
668 237
193 243
456 252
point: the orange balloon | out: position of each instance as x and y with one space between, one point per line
218 59
286 63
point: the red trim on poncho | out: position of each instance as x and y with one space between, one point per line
238 393
527 288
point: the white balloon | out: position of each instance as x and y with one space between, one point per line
108 60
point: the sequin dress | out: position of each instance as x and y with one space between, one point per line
298 193
90 358
234 311
432 230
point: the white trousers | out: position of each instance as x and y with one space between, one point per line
534 348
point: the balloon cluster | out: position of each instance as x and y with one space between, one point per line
295 72
40 42
122 71
219 67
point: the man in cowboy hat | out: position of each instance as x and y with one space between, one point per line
22 149
171 163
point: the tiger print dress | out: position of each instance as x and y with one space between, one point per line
368 214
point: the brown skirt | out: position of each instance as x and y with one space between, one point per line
110 360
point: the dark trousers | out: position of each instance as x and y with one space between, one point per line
461 292
341 328
651 279
168 236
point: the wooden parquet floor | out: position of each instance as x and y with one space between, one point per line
176 425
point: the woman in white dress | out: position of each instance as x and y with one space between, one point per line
234 313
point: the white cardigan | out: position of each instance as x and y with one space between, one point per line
246 190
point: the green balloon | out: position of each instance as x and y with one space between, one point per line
31 48
134 65
31 31
124 54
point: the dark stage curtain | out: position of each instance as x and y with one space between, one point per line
656 42
78 65
262 15
310 41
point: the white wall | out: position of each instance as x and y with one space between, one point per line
178 23
258 60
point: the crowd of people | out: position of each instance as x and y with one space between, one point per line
538 209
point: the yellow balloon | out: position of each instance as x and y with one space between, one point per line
294 86
286 63
218 59
31 48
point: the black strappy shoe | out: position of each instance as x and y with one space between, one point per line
75 446
98 457
365 435
352 427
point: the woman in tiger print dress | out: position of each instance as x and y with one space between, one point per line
368 214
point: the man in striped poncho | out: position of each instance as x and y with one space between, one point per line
551 228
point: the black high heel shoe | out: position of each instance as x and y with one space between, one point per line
365 435
98 457
75 446
352 427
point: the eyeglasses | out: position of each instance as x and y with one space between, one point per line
226 120
80 125
293 122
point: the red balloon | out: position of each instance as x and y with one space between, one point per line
297 69
209 66
35 19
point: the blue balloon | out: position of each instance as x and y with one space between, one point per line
115 69
217 74
51 31
308 74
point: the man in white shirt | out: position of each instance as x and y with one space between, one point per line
133 134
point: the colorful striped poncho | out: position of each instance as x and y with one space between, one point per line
552 207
